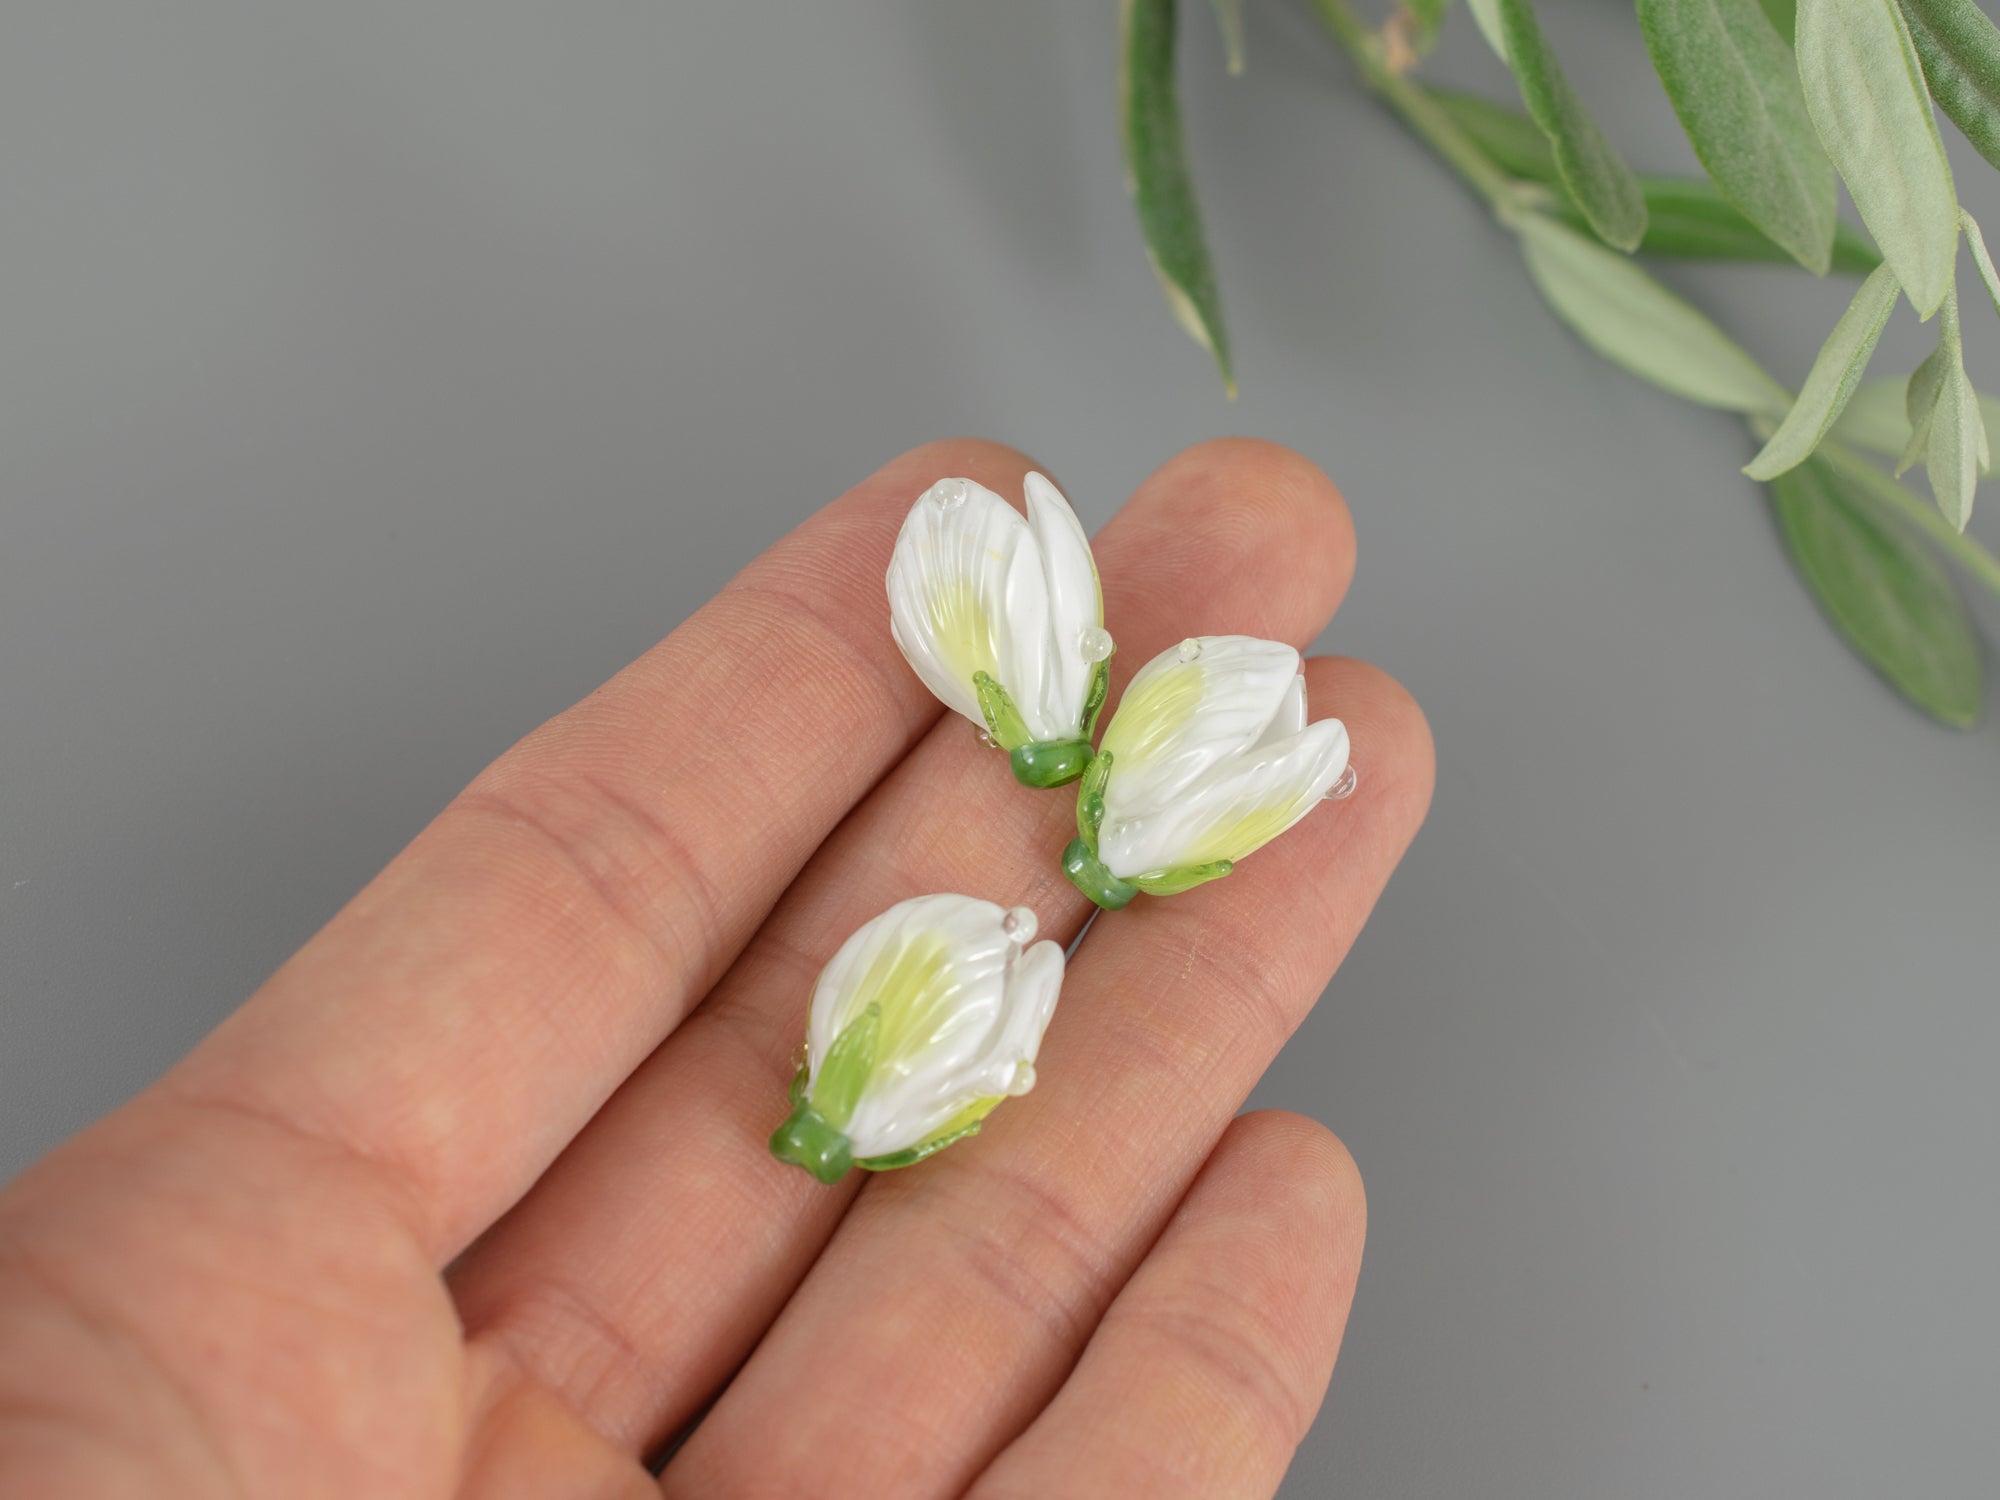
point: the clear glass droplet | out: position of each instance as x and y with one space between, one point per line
1189 649
1344 787
1023 1079
948 493
1019 925
986 739
1096 643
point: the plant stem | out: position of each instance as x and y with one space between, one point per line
1419 111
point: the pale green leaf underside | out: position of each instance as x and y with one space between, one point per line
1882 589
1956 449
1865 92
1229 21
1632 320
1486 15
1835 373
1987 276
1960 52
1876 416
1600 182
1736 89
1162 187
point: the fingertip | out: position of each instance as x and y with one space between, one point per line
1302 1169
1394 756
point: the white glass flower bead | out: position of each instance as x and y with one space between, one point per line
1002 617
925 1019
1208 757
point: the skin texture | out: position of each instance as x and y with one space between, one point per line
472 1197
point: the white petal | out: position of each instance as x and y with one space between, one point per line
902 1108
1075 603
948 592
1290 717
1023 639
1242 805
1179 718
936 964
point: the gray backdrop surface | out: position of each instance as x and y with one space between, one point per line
379 377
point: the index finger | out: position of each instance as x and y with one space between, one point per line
464 1015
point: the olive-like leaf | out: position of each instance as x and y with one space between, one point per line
1736 89
1229 21
1629 318
1876 416
1686 217
1865 92
1960 51
1783 16
1835 373
1920 401
1980 258
1425 17
1156 169
1882 590
1597 178
1486 16
1957 448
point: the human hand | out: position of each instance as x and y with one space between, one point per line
472 1198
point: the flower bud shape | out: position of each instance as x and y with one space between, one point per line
1002 617
926 1018
1208 758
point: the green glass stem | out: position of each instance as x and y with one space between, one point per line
806 1140
1047 763
1087 873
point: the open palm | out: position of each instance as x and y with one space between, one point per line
472 1198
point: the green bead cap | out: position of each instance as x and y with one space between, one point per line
1088 874
806 1140
1048 763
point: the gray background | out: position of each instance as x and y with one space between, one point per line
378 377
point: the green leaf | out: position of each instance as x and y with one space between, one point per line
1736 89
1834 375
1511 141
1980 258
1920 399
1960 51
1156 169
1229 21
1184 878
850 1061
1686 217
1783 16
1883 591
1632 320
1865 92
1486 15
1957 448
1876 417
1425 18
1598 180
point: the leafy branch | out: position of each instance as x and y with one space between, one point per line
1772 122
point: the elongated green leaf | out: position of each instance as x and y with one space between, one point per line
1486 15
1229 21
1883 590
1960 51
1686 217
1920 400
1832 379
1632 320
1425 18
1783 16
1156 168
1597 179
1736 89
1980 258
1876 417
1957 448
1866 95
